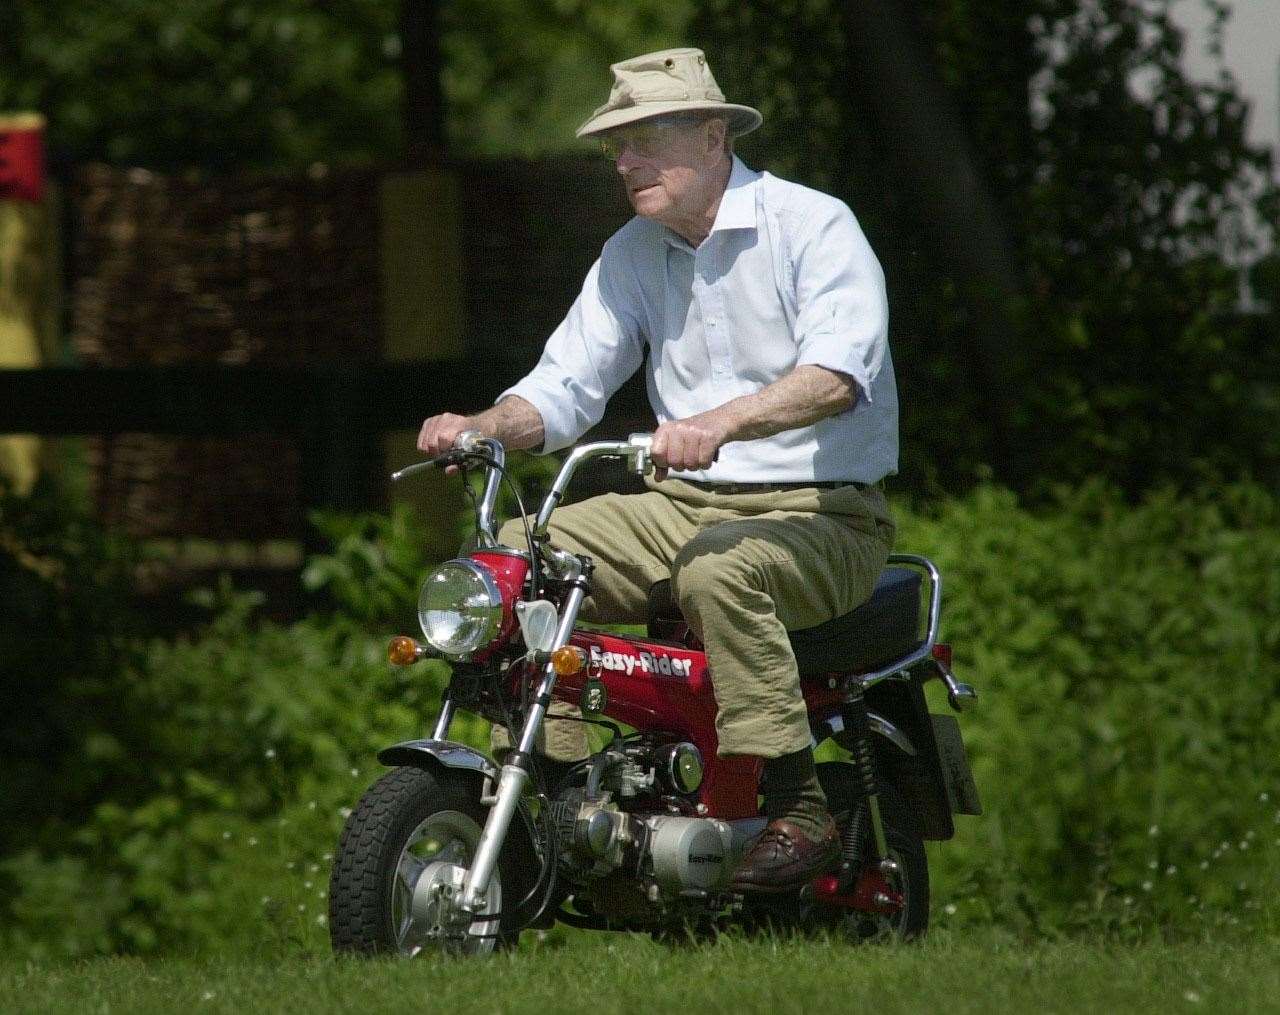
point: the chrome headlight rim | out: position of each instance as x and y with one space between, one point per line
494 605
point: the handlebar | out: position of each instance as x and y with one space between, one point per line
471 447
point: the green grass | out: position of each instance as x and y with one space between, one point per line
951 972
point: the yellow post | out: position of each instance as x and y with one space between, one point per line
28 290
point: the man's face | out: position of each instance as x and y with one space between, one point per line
667 164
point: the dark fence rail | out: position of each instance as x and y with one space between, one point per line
331 418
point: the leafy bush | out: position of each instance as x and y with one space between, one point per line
1127 659
66 632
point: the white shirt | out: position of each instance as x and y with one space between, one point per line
785 278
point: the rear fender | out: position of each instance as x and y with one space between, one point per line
918 777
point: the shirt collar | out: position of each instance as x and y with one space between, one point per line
737 205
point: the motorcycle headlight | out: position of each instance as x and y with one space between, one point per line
459 607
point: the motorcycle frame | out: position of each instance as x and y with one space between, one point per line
683 707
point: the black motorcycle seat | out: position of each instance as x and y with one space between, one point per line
882 629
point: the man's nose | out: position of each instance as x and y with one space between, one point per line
627 160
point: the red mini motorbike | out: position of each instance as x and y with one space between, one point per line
452 851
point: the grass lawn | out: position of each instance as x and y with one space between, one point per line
950 972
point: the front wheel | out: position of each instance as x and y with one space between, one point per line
402 854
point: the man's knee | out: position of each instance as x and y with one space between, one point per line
702 571
512 533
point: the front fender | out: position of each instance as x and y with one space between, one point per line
432 755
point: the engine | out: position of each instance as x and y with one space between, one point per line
609 826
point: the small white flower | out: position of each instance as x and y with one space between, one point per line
253 840
1224 845
207 996
345 811
226 835
1128 900
1250 834
322 894
949 909
1192 996
1264 796
1171 870
306 885
1152 864
315 867
266 900
302 907
322 919
1191 899
1244 844
290 865
1204 864
269 753
355 772
311 806
327 857
1146 886
1242 886
1153 831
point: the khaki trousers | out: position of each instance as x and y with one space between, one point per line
747 564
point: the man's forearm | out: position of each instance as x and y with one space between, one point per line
804 396
514 421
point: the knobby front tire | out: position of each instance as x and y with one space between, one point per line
406 822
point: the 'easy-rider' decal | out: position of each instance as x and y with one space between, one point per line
647 662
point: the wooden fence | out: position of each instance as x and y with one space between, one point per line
234 367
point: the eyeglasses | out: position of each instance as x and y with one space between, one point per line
647 140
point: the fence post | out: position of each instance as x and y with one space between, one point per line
28 271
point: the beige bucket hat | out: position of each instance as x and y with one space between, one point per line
669 81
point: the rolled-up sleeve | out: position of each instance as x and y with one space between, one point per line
842 318
587 358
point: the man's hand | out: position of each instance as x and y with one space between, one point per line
689 444
439 432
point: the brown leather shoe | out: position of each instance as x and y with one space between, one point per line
785 858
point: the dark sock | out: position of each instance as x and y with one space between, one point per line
792 791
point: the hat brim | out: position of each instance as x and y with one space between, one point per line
742 119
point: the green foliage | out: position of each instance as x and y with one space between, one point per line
65 634
1125 198
249 740
521 77
1128 661
282 83
1127 657
206 83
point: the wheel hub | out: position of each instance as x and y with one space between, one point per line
427 890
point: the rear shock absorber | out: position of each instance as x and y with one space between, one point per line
857 726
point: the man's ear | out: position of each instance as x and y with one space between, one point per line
717 128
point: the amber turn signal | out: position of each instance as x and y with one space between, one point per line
568 660
402 651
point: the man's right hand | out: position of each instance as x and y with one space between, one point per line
439 432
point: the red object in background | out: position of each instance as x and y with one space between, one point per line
22 157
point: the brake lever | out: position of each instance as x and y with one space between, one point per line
454 457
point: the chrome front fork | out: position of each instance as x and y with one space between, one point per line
512 778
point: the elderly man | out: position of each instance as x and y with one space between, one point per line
763 311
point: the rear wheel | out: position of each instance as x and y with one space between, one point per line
401 857
909 882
